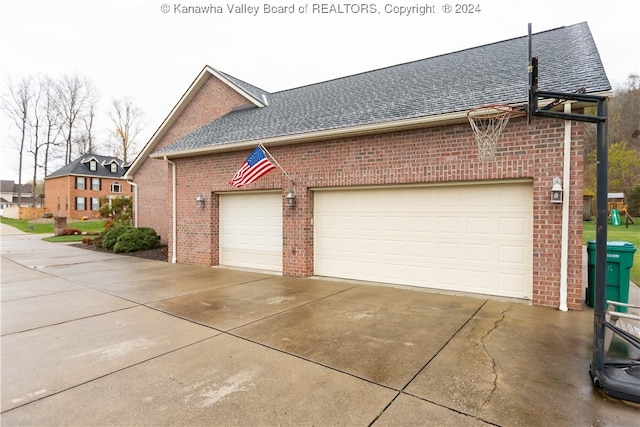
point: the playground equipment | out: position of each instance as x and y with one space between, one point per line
615 217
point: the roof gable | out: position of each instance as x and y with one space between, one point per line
432 87
253 94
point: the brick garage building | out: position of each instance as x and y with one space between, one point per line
386 174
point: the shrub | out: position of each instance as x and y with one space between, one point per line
136 239
70 231
111 235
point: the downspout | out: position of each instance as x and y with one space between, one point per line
174 210
564 242
135 202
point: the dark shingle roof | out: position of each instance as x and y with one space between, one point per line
253 91
80 166
459 81
7 186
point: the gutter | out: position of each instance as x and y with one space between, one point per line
135 202
564 239
174 211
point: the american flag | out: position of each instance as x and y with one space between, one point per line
252 169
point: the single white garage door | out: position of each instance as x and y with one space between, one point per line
251 230
472 238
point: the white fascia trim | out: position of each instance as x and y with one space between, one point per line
88 159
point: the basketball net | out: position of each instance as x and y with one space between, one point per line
487 123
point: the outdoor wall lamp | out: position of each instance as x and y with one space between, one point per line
200 201
291 198
556 190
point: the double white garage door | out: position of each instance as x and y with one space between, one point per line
471 238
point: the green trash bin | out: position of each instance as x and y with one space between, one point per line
619 263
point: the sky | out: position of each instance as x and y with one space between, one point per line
152 50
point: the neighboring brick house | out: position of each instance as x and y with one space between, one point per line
75 190
386 175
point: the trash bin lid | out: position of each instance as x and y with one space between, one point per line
621 246
615 244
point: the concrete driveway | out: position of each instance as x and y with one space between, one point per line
94 339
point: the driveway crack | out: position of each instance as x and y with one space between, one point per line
493 361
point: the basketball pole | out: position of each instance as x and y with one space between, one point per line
612 377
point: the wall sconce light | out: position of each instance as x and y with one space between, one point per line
200 201
291 198
556 190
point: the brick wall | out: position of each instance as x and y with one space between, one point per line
60 195
439 154
214 99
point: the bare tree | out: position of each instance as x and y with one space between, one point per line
17 106
76 97
35 144
84 138
51 120
126 119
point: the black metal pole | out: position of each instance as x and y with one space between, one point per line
601 238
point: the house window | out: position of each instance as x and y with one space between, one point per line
95 203
114 167
95 184
81 204
93 165
80 183
116 187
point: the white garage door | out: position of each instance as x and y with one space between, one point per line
251 230
472 238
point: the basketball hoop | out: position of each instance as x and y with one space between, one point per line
487 123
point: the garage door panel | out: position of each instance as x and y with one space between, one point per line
448 224
475 238
251 231
479 253
513 254
481 227
513 226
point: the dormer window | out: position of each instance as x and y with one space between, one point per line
113 167
93 165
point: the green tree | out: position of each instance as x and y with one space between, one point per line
633 201
118 209
624 127
624 168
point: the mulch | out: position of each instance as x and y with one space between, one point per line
158 254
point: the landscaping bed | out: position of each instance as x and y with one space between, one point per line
158 254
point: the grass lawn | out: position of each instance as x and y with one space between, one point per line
619 233
39 227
